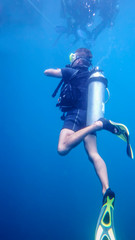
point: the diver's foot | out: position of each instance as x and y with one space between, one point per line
110 126
109 193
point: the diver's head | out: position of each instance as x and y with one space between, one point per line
81 58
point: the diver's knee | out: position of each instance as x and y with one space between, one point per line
62 150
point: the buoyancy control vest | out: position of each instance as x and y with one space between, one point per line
67 97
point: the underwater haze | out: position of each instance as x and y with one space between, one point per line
44 196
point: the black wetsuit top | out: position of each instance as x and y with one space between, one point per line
79 85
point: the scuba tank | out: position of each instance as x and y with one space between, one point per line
96 97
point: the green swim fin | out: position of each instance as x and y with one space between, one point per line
105 224
121 131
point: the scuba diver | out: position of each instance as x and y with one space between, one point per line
86 19
73 102
78 14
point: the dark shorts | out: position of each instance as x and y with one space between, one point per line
76 120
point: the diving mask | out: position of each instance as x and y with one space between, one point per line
72 57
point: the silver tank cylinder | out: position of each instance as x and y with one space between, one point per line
96 97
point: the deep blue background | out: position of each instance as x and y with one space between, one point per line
43 195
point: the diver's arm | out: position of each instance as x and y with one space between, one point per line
53 72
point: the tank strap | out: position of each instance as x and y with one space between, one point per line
99 79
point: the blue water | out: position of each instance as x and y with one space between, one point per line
44 196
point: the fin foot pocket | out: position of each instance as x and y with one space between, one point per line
109 193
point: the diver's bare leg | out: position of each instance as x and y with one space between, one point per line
69 139
99 165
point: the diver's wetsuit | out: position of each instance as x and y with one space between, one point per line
76 118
